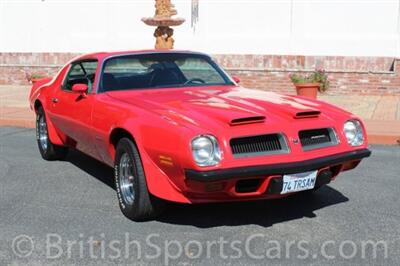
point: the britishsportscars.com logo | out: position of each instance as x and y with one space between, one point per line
156 248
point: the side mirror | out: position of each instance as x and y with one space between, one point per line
80 88
236 79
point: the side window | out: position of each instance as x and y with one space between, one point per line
76 70
90 67
81 72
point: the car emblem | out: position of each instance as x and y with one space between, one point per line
295 141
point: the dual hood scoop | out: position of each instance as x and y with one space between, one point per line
261 119
247 120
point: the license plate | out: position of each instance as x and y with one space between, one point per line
299 182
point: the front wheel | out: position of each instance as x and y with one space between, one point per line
135 201
48 150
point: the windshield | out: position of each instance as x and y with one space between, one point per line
161 70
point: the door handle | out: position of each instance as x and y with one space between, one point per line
54 100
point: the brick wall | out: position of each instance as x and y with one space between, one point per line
348 75
15 66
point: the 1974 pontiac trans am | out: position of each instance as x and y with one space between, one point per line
176 127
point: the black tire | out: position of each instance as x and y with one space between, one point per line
143 206
48 150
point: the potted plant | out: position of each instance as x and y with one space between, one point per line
309 84
34 77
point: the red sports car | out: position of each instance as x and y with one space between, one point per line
176 127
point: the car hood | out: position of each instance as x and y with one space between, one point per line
224 105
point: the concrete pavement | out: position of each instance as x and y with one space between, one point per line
380 113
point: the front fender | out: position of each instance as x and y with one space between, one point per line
161 153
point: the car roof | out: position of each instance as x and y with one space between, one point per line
103 55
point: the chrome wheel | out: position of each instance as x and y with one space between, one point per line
43 136
126 178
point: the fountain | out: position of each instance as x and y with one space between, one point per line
163 20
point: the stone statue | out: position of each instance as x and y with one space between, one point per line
165 9
164 39
170 40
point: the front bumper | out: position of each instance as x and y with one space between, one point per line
276 169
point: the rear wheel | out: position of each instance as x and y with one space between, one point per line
134 199
48 150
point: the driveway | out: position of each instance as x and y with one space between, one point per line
66 212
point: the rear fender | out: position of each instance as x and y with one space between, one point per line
54 135
35 90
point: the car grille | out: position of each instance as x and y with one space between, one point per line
317 138
258 145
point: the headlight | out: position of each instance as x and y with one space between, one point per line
206 151
354 132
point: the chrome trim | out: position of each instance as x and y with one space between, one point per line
127 179
43 134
